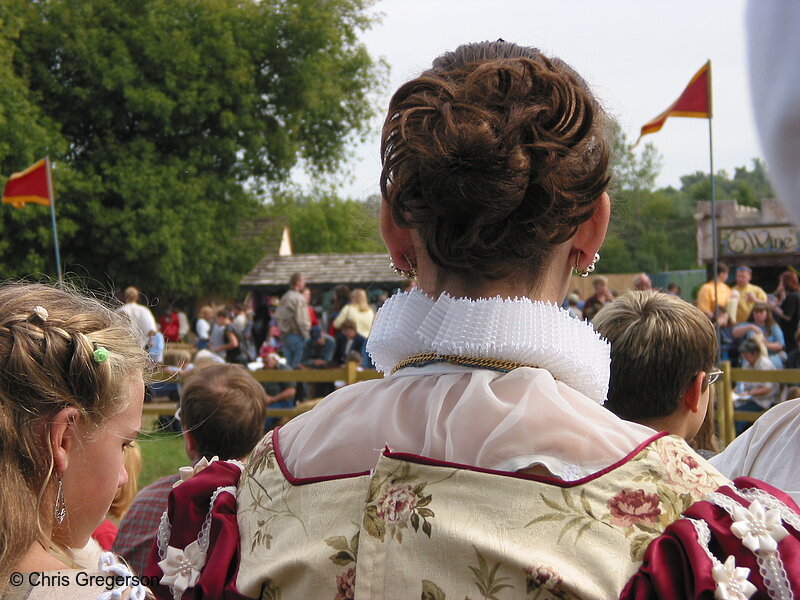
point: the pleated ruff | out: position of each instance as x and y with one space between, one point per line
518 330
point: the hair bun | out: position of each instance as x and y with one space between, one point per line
494 156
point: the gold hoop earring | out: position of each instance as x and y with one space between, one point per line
589 269
60 509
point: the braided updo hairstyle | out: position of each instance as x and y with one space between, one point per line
494 155
47 363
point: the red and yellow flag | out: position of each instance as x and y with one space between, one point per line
29 185
695 101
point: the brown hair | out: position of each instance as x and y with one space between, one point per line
789 281
223 408
770 321
659 342
341 297
706 437
47 364
494 155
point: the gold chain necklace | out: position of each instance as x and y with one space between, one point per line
429 358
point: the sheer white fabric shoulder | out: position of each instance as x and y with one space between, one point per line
761 451
551 415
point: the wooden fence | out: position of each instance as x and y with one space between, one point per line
725 386
349 374
725 415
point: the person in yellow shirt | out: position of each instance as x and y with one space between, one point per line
705 296
749 294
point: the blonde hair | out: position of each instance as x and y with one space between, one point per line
175 357
132 459
131 294
48 338
358 298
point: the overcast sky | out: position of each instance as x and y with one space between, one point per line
638 55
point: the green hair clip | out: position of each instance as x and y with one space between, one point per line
100 354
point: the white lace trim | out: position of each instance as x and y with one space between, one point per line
165 528
731 581
769 501
518 330
770 564
203 538
162 539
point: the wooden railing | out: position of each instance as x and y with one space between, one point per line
725 416
725 386
349 375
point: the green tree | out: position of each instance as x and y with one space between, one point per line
174 115
747 187
321 222
631 172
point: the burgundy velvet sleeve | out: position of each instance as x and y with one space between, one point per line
187 510
675 565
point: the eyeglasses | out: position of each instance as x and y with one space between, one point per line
713 376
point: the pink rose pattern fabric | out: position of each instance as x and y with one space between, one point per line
634 506
397 502
403 501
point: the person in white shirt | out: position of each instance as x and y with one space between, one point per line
143 321
203 327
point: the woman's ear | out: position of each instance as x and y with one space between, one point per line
62 437
398 240
592 233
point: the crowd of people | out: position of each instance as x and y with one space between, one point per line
509 451
755 329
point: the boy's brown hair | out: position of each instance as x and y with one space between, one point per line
659 342
223 408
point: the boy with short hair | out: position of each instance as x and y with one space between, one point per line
662 361
222 413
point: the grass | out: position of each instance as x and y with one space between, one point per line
162 454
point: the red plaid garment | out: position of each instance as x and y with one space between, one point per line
137 532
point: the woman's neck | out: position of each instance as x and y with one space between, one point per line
37 558
550 286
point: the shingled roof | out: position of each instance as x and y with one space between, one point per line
361 270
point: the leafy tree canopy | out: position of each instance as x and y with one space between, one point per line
164 118
654 230
321 222
747 187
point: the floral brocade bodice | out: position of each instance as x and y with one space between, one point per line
415 528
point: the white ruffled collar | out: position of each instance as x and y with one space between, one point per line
518 330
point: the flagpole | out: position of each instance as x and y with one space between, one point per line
714 244
53 219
